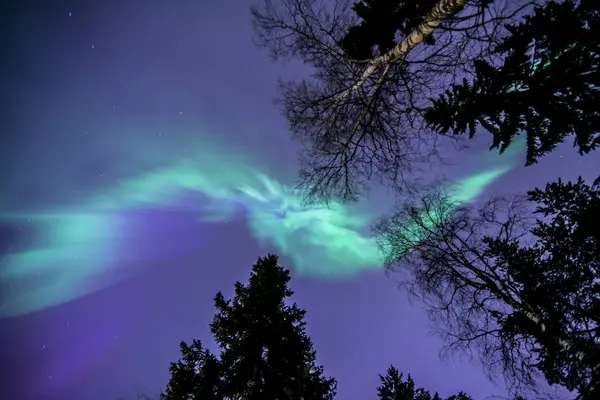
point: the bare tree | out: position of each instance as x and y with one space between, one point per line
525 296
361 120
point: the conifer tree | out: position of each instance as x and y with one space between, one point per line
395 387
526 294
264 350
546 86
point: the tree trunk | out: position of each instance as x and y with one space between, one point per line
443 10
565 344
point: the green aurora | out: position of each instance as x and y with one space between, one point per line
78 249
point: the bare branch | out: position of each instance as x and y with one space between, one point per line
489 288
360 121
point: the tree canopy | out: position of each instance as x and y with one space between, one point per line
390 77
547 86
395 387
527 295
361 120
381 21
264 350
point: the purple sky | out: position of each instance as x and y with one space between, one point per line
86 79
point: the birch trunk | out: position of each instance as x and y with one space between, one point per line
443 10
565 344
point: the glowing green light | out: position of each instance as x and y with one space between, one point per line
80 248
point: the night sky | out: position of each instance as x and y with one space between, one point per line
144 168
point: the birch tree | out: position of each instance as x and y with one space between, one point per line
375 66
523 295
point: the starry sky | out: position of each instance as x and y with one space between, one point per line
144 168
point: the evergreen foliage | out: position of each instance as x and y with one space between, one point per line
395 387
526 295
547 86
264 350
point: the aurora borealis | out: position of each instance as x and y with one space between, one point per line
144 168
322 242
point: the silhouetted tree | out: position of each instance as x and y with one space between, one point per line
197 375
376 64
527 295
394 387
380 22
264 350
547 85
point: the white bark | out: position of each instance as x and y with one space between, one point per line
443 10
565 344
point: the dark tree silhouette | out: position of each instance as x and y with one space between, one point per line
381 20
394 387
197 375
547 86
264 350
376 65
526 295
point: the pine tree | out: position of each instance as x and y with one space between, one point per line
394 387
526 295
546 86
559 284
197 375
264 350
